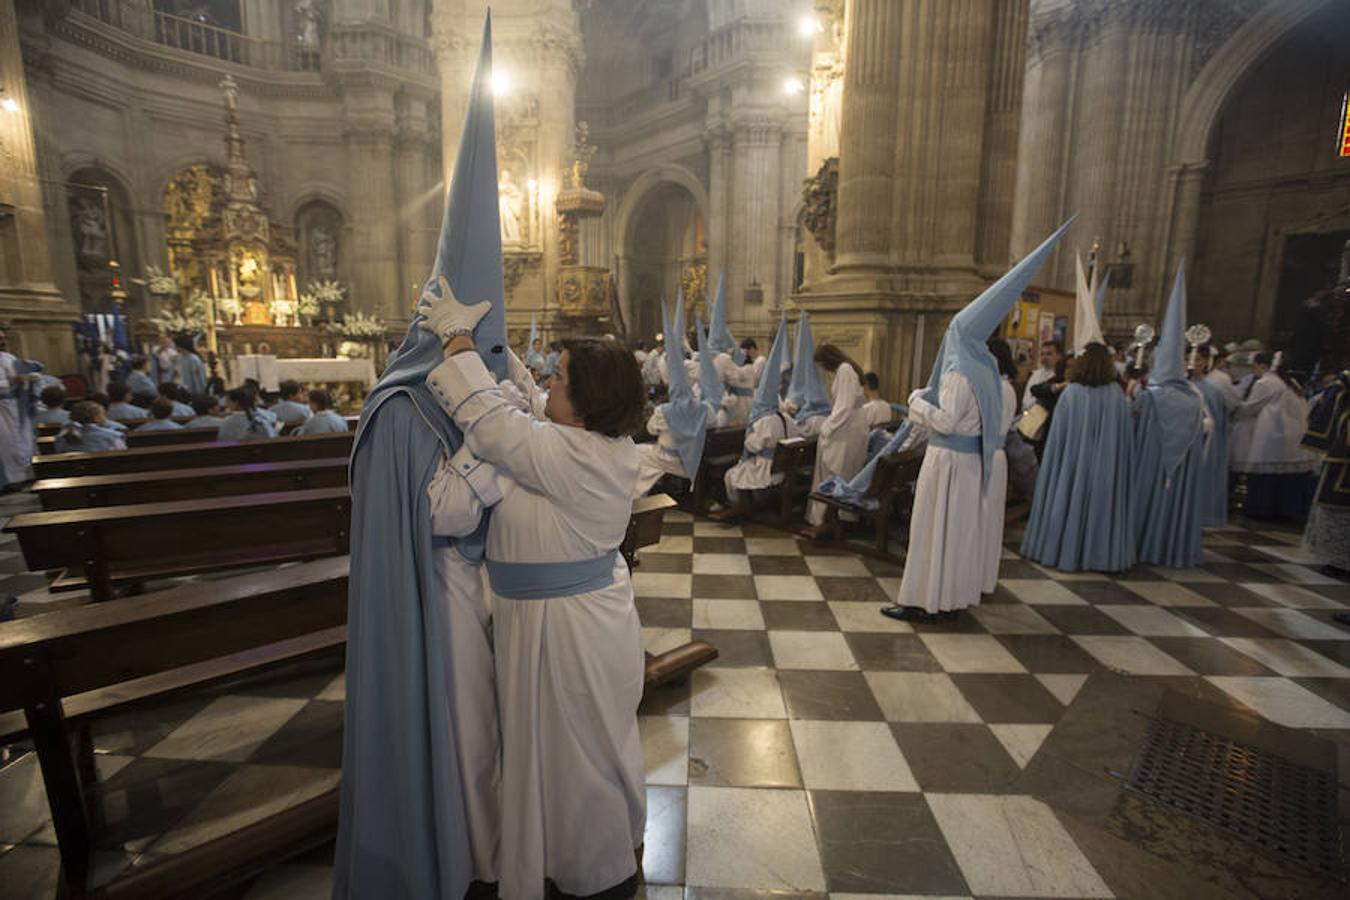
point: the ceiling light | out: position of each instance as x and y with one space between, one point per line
792 86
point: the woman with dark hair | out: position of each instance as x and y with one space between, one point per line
842 448
1267 444
1080 513
88 431
567 641
191 371
243 422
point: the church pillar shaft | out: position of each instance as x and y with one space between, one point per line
867 133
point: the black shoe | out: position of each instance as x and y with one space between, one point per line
909 614
1335 572
1342 618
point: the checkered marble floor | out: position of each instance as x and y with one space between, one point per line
832 750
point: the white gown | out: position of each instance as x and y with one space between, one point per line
1270 424
569 669
877 412
16 441
842 449
455 511
756 472
735 409
956 529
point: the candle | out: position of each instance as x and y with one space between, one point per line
290 278
215 280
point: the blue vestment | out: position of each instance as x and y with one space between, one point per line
1080 514
192 373
1164 500
1213 496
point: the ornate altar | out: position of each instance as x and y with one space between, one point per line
583 291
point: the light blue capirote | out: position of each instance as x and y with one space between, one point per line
963 350
710 385
1169 450
533 358
719 335
766 392
686 416
964 347
403 828
806 389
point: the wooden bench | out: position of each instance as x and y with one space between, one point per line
891 488
83 491
721 450
109 547
644 526
50 430
193 456
62 670
134 439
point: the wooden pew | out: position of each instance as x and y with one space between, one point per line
191 456
47 445
51 430
62 670
86 491
721 450
891 488
644 525
108 547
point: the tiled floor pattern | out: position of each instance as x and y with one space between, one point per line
829 749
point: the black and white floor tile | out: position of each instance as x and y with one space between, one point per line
830 750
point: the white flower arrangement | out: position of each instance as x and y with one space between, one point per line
326 291
358 327
190 320
158 282
307 305
230 307
282 309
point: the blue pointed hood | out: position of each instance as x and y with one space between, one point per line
468 254
709 382
766 392
686 416
806 390
1175 397
719 335
533 358
964 349
534 330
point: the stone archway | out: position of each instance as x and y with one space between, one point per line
663 239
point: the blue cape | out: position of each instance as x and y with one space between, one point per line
1167 382
806 390
719 335
1080 513
1213 496
766 392
709 382
1164 504
686 417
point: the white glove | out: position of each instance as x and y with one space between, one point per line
446 316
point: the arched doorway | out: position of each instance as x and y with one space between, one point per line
665 244
1275 204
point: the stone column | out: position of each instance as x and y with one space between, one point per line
718 140
754 213
38 318
374 266
867 134
1037 204
1003 116
418 227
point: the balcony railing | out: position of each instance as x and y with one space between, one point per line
204 39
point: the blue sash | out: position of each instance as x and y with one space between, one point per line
672 452
539 581
740 391
960 443
767 453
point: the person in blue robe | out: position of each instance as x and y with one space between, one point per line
807 400
418 808
88 431
120 407
205 412
244 423
1213 496
161 417
1169 450
291 409
324 420
139 380
1080 510
52 410
191 371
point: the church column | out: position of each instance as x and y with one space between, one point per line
38 317
417 228
718 140
754 214
370 157
867 135
1002 118
1038 197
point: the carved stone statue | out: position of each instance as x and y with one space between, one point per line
307 16
511 207
323 251
90 228
820 196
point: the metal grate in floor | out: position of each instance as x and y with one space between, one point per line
1284 808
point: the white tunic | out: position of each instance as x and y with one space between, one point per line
653 368
455 512
736 408
661 457
756 472
16 441
877 412
569 669
956 528
1270 424
842 449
